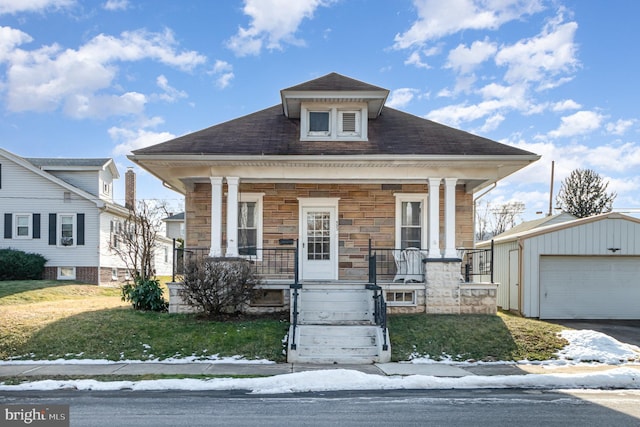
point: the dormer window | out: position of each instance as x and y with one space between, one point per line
346 122
319 123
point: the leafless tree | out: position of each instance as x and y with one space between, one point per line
584 193
135 239
492 220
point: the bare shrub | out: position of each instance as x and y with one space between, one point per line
219 286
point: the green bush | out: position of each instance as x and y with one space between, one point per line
144 295
19 265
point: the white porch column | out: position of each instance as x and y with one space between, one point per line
450 218
232 216
434 217
216 217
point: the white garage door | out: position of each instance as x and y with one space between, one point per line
598 287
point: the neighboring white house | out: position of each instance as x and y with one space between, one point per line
582 268
175 226
64 210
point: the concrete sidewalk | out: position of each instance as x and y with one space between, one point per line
241 369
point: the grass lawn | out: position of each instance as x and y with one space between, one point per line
50 320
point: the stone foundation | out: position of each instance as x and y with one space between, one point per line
447 294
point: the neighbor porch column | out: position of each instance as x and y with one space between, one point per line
232 216
434 217
450 218
216 217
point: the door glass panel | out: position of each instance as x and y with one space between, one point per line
318 236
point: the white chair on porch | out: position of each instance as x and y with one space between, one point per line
409 266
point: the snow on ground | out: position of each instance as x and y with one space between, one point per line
584 346
343 379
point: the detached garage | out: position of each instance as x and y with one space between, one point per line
580 269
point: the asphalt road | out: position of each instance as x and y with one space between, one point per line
375 408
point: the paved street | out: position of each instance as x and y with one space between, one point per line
374 408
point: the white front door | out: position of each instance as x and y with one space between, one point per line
319 249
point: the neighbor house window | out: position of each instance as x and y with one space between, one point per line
250 224
114 274
66 273
23 226
67 229
410 221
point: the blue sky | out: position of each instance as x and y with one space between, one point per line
100 78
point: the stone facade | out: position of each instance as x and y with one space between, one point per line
366 211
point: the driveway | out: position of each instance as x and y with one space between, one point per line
626 331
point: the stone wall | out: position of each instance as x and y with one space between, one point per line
365 211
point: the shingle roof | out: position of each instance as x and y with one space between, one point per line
65 162
269 132
176 217
334 82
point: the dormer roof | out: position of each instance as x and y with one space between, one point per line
334 88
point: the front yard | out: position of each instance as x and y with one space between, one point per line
50 320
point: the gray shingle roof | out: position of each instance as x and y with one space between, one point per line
334 82
269 132
65 162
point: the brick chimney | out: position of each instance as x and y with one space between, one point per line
130 189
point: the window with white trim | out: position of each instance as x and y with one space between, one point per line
22 226
401 297
333 122
67 229
250 224
114 274
411 221
66 273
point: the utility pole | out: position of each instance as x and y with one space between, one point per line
551 189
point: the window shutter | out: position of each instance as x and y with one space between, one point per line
36 226
348 122
8 226
52 228
80 228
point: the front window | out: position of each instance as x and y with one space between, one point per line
249 224
66 273
23 226
67 226
410 221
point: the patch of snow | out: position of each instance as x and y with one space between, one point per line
591 346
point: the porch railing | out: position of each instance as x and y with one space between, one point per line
277 264
380 312
385 265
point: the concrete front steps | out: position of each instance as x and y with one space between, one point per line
336 325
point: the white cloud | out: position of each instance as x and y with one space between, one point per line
567 104
415 59
113 5
80 81
10 38
464 59
273 22
542 58
579 123
400 98
620 127
437 18
16 6
134 139
223 72
170 94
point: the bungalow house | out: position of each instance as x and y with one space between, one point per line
64 210
561 267
356 192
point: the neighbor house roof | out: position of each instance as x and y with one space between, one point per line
536 223
176 217
526 234
54 163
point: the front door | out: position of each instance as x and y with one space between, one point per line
319 249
